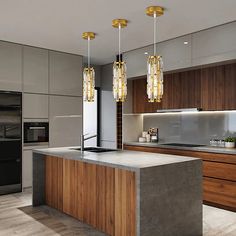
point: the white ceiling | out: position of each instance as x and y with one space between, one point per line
58 24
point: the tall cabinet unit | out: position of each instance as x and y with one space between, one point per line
10 67
65 102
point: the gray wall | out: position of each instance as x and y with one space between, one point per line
108 109
192 128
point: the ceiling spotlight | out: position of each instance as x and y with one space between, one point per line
185 42
146 53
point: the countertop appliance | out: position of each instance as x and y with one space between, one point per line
154 135
36 133
10 142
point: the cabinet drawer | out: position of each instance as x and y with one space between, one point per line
218 191
219 170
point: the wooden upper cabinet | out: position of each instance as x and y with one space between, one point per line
212 89
140 98
230 87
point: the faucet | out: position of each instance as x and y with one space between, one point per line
82 139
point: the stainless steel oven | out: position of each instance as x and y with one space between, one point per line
36 133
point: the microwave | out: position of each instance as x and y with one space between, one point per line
36 133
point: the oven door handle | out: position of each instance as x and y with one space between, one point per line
36 127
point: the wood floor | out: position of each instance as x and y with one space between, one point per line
18 217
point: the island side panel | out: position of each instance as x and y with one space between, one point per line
38 179
171 199
125 202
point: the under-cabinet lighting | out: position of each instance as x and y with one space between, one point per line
188 112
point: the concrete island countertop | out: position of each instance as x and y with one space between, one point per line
231 151
130 160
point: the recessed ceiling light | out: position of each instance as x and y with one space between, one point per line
185 42
146 53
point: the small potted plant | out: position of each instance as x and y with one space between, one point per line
230 142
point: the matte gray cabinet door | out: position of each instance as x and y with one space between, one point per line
35 106
65 74
65 121
214 45
175 54
10 67
35 70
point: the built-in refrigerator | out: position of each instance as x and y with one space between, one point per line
10 142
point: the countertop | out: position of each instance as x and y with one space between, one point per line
129 160
223 150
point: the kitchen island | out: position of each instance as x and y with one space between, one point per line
122 193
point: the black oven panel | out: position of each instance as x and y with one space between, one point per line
36 132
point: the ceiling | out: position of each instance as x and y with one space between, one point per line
58 24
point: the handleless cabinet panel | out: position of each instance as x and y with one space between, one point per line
10 67
65 74
65 121
230 87
212 89
35 70
214 45
35 106
27 168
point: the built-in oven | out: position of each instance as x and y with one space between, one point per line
36 133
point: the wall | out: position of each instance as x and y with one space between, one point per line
196 128
107 109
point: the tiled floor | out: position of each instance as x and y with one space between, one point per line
18 217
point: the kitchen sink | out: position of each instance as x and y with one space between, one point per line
95 149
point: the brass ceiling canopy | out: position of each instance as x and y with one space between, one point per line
150 11
121 22
88 35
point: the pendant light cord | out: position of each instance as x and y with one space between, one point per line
154 32
88 52
119 40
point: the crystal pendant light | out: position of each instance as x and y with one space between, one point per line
119 68
88 73
154 63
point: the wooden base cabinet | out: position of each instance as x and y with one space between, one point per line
101 196
219 174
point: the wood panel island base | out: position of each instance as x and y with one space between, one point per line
122 193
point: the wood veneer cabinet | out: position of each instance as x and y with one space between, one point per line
219 174
101 196
211 88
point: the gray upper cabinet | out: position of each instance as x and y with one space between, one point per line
214 45
10 67
35 70
65 74
175 54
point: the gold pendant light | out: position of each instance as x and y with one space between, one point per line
88 73
119 68
154 63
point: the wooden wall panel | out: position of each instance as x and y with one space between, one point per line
125 203
53 182
89 192
101 196
69 187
